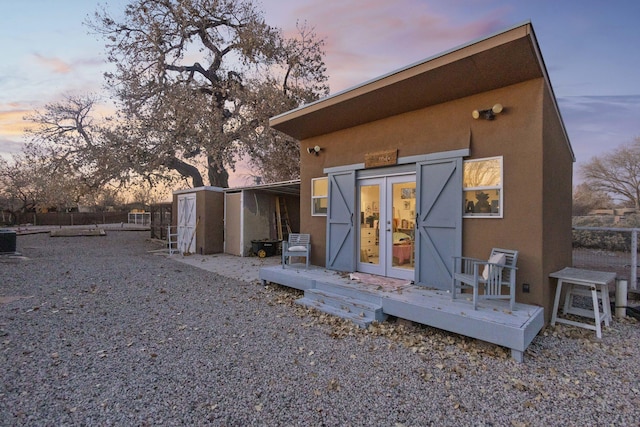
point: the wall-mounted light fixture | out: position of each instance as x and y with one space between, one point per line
314 150
488 114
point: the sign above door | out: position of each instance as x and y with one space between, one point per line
381 158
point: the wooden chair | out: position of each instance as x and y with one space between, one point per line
493 275
298 245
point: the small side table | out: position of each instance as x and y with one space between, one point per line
584 283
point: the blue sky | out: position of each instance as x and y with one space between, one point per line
591 50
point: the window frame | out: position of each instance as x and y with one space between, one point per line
315 197
499 188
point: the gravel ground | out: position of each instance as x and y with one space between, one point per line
102 331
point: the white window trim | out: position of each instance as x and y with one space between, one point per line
493 187
314 197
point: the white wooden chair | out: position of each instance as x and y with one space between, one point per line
298 245
493 275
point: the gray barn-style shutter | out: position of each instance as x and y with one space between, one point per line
438 221
340 221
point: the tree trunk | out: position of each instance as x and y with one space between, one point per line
187 170
218 175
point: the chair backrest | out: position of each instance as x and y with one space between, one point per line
511 260
296 239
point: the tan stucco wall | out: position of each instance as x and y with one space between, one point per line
558 185
210 213
517 134
232 225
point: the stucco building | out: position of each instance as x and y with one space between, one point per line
453 155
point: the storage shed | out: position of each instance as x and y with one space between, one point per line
198 220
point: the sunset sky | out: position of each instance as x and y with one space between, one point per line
591 50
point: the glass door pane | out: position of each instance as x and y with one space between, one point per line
372 216
403 212
369 223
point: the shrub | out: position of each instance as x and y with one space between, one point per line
604 240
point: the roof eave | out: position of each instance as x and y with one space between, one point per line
502 59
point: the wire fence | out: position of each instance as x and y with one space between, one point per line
608 249
69 218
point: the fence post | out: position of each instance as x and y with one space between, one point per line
621 299
634 259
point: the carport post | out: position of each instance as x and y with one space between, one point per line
634 259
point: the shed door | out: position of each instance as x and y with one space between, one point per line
340 221
438 221
187 223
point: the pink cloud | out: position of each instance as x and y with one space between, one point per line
12 126
12 122
57 65
367 39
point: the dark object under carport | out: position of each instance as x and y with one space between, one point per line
7 241
264 248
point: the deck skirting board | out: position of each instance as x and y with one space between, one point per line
515 337
492 322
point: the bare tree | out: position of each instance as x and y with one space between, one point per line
76 144
73 156
32 181
616 173
482 173
192 78
302 77
585 200
17 192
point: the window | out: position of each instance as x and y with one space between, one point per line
319 196
482 190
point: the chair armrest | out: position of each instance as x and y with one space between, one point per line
466 258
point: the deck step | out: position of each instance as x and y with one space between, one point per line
349 291
362 313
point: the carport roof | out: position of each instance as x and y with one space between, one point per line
280 188
509 57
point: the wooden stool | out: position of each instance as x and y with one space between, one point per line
595 294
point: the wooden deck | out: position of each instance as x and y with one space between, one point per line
492 321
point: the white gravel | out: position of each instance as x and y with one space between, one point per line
100 331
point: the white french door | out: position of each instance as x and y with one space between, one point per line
387 226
